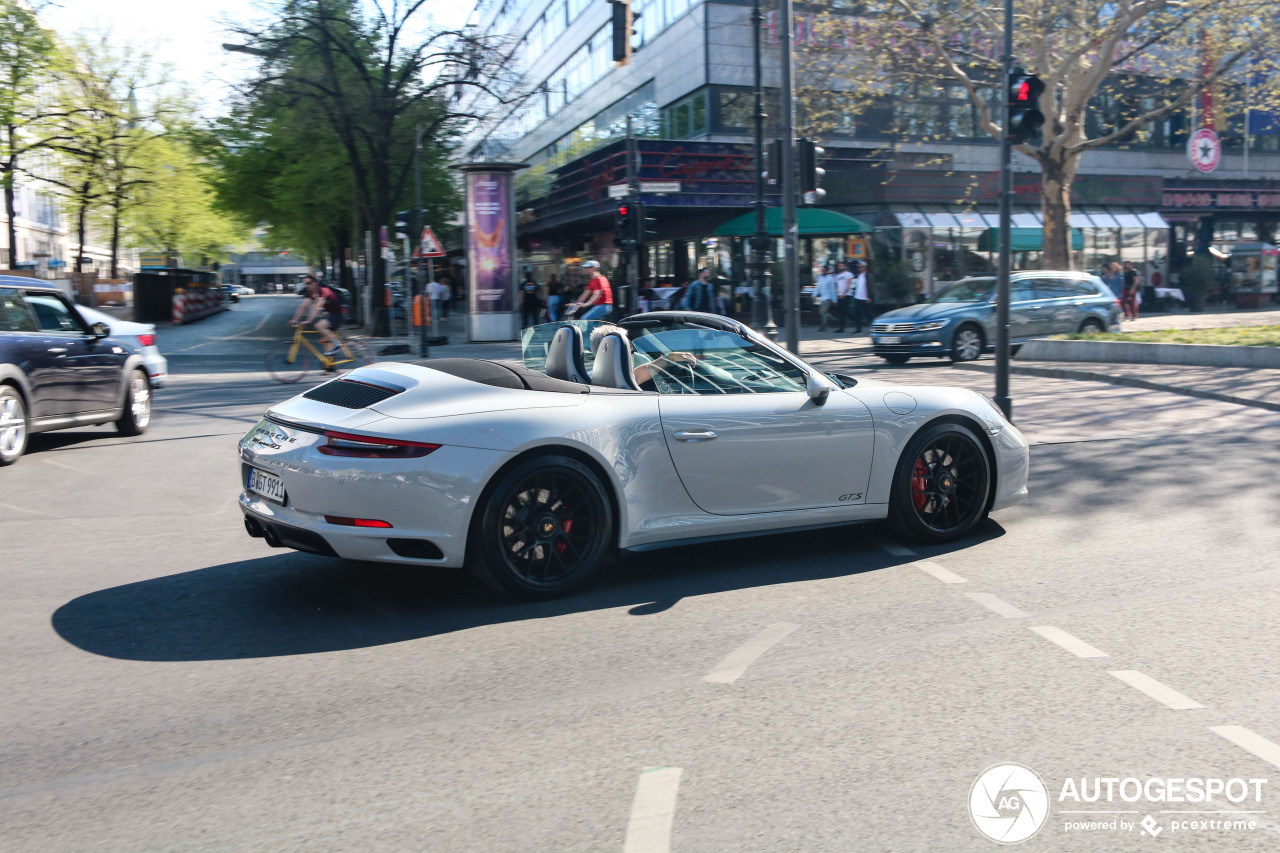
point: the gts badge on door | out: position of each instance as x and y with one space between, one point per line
852 496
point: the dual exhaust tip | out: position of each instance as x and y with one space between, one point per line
261 531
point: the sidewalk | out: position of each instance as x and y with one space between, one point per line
1243 386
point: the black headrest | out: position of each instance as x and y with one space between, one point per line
564 356
612 366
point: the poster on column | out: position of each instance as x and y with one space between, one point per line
489 241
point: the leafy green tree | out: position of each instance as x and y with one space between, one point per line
28 60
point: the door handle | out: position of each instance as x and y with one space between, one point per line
694 435
58 349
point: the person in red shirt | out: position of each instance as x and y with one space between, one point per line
597 298
325 312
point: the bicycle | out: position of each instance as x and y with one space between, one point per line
290 360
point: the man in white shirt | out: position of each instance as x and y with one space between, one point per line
861 297
825 293
844 286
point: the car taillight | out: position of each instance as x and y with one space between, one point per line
147 340
356 522
371 447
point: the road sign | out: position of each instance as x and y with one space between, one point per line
430 247
659 186
619 190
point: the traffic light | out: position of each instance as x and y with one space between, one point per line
810 172
404 224
647 224
773 162
624 27
1024 119
624 224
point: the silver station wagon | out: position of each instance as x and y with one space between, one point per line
959 322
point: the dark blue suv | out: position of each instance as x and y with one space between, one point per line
57 371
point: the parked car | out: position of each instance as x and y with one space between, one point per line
685 427
241 290
959 322
58 371
142 335
230 293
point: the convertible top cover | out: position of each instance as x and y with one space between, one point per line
503 375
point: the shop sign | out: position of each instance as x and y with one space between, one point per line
1228 199
1204 149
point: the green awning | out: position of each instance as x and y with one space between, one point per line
1024 240
813 222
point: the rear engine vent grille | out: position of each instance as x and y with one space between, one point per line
349 394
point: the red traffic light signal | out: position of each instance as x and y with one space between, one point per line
1024 120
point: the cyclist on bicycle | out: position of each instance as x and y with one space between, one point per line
325 312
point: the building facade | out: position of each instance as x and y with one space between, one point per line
916 166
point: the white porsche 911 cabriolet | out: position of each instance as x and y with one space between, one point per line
672 428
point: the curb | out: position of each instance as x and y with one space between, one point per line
1146 352
1128 381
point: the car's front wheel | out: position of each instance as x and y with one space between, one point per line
896 359
13 425
137 406
1092 326
544 527
941 484
967 343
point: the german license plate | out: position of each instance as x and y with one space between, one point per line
889 339
269 486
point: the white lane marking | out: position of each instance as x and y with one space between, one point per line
62 465
896 550
728 670
1166 696
943 574
1075 645
996 605
653 811
22 509
1250 742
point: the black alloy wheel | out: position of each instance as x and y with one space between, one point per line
941 485
1091 326
544 528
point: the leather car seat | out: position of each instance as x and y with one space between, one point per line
564 356
612 367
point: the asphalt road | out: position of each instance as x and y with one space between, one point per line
169 684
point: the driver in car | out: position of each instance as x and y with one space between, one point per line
644 370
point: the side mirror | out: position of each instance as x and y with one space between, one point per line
817 388
100 330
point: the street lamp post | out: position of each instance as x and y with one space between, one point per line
1002 398
761 296
791 272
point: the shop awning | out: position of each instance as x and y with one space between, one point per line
1023 240
813 222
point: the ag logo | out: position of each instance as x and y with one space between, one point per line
1008 803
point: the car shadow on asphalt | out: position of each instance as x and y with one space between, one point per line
288 603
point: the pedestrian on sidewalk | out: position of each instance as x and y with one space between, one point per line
861 297
826 296
1129 299
844 289
553 299
530 301
700 295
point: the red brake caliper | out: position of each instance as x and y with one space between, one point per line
567 527
918 473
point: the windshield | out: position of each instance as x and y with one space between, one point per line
967 290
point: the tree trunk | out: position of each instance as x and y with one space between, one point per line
9 212
1058 171
115 241
81 216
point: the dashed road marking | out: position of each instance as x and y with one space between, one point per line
1166 696
653 811
996 605
62 465
897 550
1250 742
1075 645
943 574
729 669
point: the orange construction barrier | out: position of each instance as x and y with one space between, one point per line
421 311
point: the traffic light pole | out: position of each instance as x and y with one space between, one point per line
1002 398
791 270
632 291
424 345
762 299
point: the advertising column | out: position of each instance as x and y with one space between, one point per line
491 251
